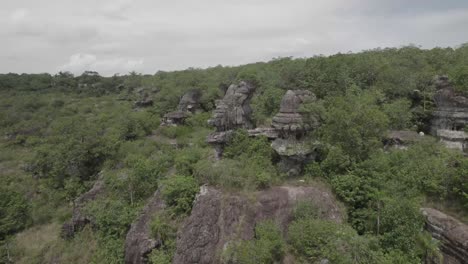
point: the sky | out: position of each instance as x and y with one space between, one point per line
119 36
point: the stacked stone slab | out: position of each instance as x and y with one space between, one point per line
292 128
451 115
188 104
232 112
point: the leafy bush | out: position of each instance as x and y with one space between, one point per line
14 214
179 193
268 246
313 240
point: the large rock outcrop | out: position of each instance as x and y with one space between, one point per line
79 218
451 115
290 120
218 218
452 235
232 112
292 127
139 241
188 104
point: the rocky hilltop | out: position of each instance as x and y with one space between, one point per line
219 218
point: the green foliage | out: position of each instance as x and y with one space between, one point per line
354 123
112 217
268 246
163 229
159 257
398 113
14 212
59 132
179 193
313 240
306 210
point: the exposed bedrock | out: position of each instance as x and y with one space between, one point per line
188 104
218 218
291 128
452 235
139 241
232 112
79 218
451 115
290 120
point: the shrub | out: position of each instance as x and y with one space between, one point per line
268 246
179 193
313 240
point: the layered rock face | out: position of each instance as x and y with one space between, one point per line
291 127
451 116
188 104
452 234
79 219
139 241
289 121
218 218
232 112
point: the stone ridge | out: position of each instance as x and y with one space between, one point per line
219 218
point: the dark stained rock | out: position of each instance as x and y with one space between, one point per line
219 218
291 128
79 219
451 115
190 101
401 139
188 104
144 103
139 242
452 234
234 111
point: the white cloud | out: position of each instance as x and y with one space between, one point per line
80 62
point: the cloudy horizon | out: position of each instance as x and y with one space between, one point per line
120 36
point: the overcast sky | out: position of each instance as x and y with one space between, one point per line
118 36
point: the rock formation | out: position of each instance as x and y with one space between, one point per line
290 121
452 235
232 112
188 104
139 242
451 116
401 139
291 128
218 218
79 219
